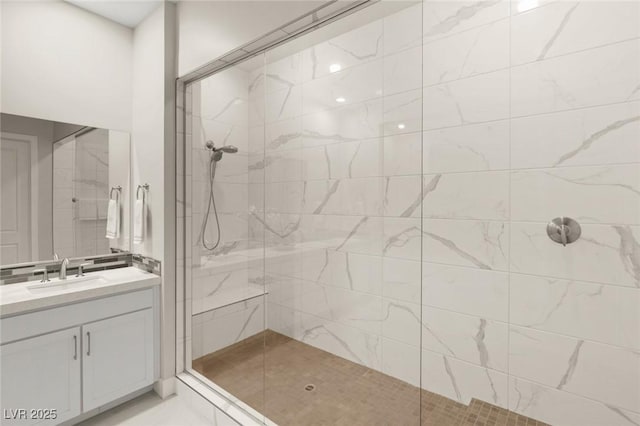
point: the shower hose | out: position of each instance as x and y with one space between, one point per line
211 202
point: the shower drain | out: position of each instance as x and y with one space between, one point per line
310 387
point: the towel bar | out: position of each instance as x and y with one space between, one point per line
144 187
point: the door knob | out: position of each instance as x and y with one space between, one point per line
563 230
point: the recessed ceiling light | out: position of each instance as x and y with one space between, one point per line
340 99
401 126
335 67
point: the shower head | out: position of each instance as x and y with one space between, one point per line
216 153
227 148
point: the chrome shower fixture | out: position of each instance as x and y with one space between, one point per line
217 152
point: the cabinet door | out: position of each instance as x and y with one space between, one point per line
117 357
41 373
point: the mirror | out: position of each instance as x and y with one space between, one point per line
62 185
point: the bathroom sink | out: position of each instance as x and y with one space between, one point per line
72 282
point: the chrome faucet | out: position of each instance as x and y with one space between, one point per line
63 268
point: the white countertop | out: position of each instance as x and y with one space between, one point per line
19 298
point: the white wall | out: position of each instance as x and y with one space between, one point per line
209 29
153 158
62 63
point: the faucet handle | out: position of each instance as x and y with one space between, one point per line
45 274
81 269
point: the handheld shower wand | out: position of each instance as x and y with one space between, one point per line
214 157
217 152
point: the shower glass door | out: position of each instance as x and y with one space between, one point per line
384 253
342 203
227 309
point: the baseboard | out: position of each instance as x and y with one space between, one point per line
165 387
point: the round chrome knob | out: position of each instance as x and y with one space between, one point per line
563 230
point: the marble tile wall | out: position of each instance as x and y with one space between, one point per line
400 177
520 113
531 112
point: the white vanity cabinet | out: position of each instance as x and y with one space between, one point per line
117 357
78 357
41 372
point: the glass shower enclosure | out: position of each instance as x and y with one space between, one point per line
423 213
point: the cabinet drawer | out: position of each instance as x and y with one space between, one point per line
46 321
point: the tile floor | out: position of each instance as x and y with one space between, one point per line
149 410
270 371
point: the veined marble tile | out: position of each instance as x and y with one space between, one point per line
604 253
466 290
356 272
347 87
223 97
402 71
604 313
353 234
477 340
471 100
476 51
256 143
345 270
344 341
443 18
585 368
402 238
403 29
283 73
348 123
284 197
403 196
401 279
592 136
280 229
358 46
538 194
358 196
462 381
215 330
568 26
403 113
467 148
283 104
563 408
343 306
594 77
401 321
402 154
478 195
281 166
467 196
480 244
343 160
283 134
401 361
282 319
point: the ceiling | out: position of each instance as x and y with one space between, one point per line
128 13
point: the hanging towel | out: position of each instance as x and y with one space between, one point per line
113 219
138 222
